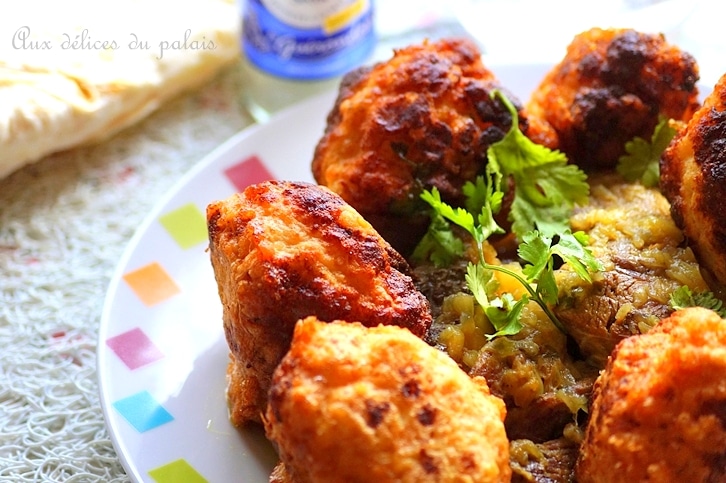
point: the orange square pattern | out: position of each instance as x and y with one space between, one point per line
151 283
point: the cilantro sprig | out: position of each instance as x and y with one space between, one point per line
683 297
546 190
546 187
642 159
537 250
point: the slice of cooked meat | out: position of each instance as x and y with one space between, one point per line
549 462
546 417
632 233
437 283
543 387
693 178
282 251
355 404
611 86
425 118
659 408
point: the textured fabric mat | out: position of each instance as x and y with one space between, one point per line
64 223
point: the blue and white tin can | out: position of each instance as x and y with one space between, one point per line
307 39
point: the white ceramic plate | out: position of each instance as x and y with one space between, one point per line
162 355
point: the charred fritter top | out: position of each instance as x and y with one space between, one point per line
693 179
282 251
304 247
424 118
611 86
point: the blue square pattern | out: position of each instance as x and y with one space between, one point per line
142 411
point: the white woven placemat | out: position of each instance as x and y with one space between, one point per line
64 223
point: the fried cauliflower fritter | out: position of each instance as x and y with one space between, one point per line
611 86
422 119
357 404
659 408
282 251
693 179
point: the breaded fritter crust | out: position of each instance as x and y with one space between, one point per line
693 179
659 408
356 404
611 86
422 119
282 251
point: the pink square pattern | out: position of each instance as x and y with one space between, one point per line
248 171
134 348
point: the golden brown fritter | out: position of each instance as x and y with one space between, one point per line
356 404
693 179
422 119
659 408
611 86
282 251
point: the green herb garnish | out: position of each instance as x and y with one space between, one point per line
537 250
642 161
683 297
546 190
546 187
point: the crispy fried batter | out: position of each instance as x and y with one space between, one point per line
282 251
423 119
611 86
659 408
693 179
356 404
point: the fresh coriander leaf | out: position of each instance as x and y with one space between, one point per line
484 191
481 283
459 216
439 244
477 194
546 187
572 248
642 159
480 195
683 297
538 251
505 315
535 249
484 199
547 284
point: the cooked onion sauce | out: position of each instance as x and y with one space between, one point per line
545 376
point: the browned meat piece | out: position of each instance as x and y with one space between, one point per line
436 283
659 408
693 178
549 462
282 251
423 119
545 418
633 235
543 387
611 86
356 404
